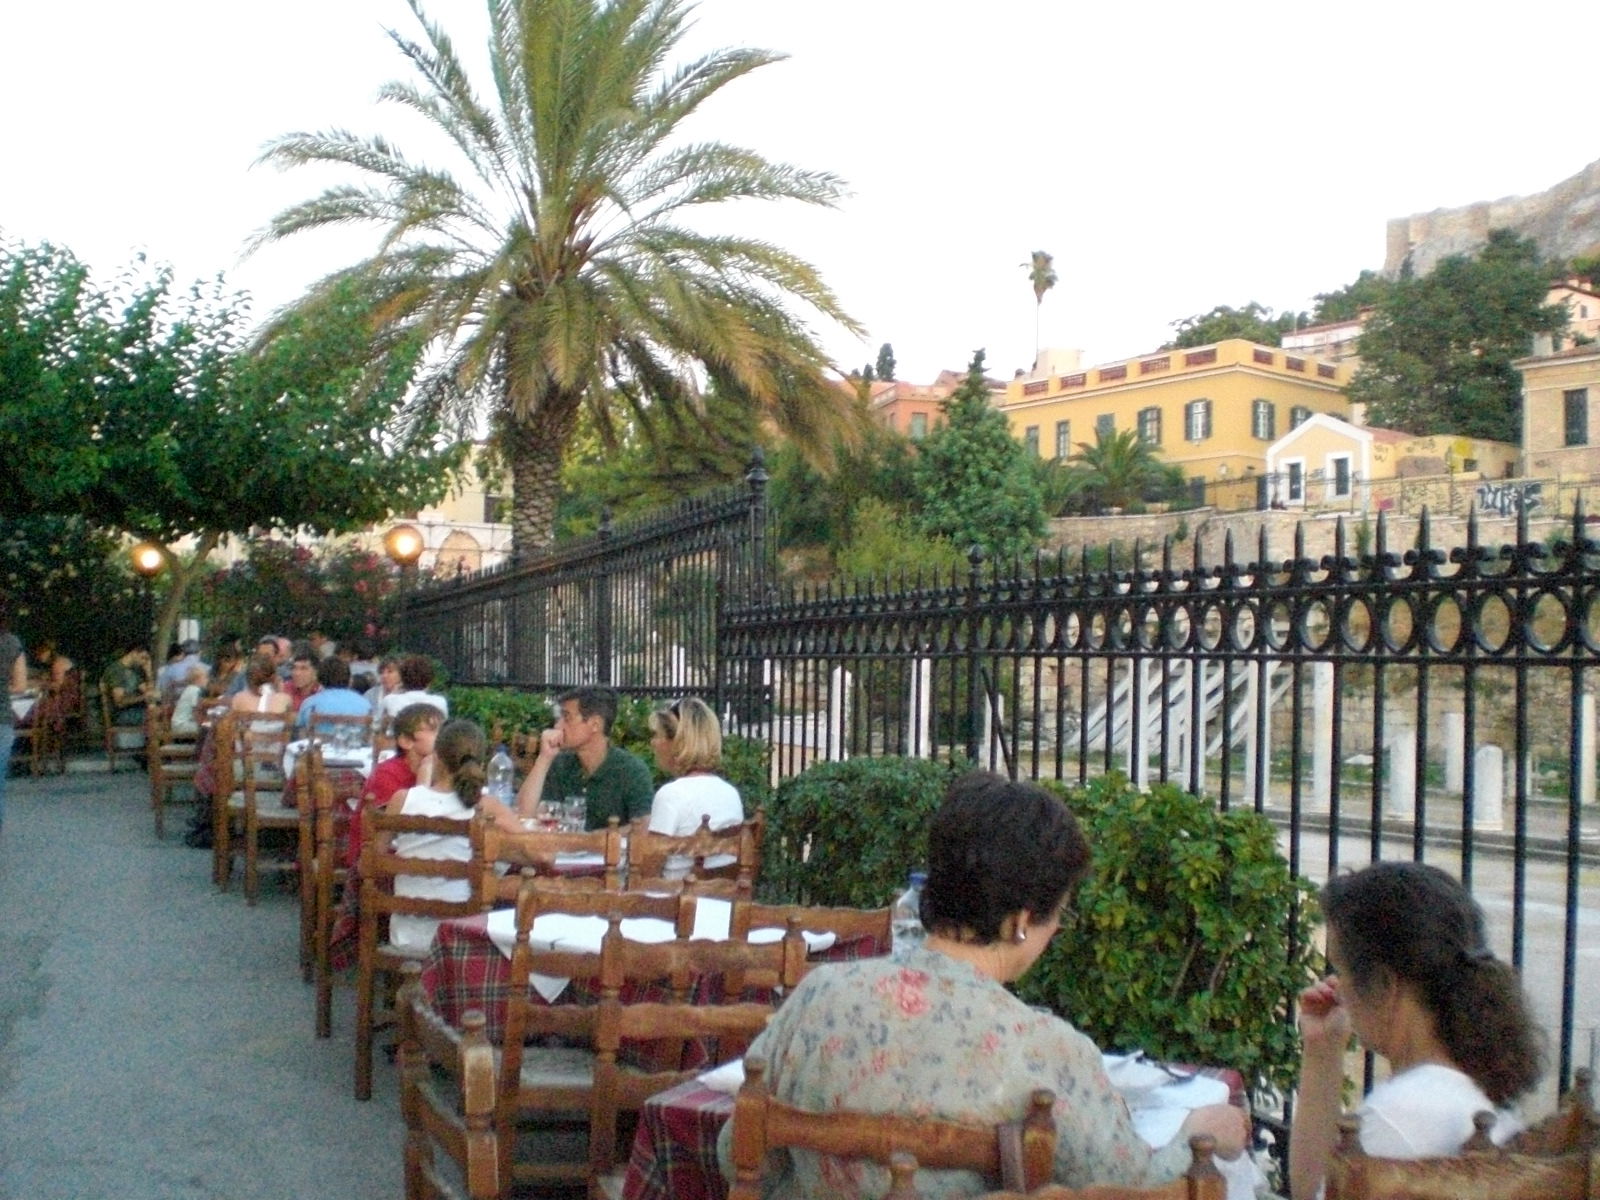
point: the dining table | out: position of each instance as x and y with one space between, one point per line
469 964
674 1153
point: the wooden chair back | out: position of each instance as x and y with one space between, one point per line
538 849
868 925
447 1100
1202 1181
321 872
731 890
724 991
170 760
649 853
762 1124
1481 1171
1573 1126
380 867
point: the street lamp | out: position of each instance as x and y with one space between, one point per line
148 561
403 544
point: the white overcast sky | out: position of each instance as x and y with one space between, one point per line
1171 156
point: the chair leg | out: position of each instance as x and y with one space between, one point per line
222 842
158 800
252 834
364 981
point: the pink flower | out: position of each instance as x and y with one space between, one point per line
906 989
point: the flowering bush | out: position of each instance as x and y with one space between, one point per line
282 587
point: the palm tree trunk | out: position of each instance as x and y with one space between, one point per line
536 448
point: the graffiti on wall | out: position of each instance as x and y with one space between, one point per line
1506 499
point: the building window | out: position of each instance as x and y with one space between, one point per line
1575 410
1197 420
1074 381
496 509
1297 482
1339 476
1294 364
1104 426
1263 419
1298 416
1199 358
1030 440
1197 489
1063 439
1151 365
1036 387
1150 426
919 426
1110 374
1261 356
1326 371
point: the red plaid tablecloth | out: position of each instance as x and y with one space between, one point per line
674 1153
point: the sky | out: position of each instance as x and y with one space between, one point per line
1172 157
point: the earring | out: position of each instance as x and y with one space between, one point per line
1022 934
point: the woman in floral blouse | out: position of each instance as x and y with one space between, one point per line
935 1033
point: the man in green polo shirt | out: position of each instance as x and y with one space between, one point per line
576 758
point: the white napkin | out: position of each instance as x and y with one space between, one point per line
711 919
729 1077
1158 1107
580 858
815 942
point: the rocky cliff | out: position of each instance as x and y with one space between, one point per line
1564 220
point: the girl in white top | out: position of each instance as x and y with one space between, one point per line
1416 984
687 741
184 721
456 790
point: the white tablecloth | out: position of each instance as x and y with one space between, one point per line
21 706
360 759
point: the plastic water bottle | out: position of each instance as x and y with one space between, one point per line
502 782
905 919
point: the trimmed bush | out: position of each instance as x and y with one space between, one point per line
1179 942
848 832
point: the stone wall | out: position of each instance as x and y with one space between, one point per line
1563 220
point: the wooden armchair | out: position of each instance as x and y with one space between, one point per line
126 740
1017 1153
171 760
378 958
689 1012
1202 1181
547 1065
869 925
446 1100
649 853
537 849
1481 1171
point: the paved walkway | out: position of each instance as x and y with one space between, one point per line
155 1036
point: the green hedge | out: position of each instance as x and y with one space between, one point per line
1178 943
848 832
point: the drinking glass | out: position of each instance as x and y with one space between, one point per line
575 813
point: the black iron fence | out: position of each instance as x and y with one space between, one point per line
1426 703
634 607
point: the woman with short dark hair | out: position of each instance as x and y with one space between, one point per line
1415 981
935 1033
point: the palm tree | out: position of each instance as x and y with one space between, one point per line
1121 468
1042 274
567 268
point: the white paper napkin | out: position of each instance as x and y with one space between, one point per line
729 1077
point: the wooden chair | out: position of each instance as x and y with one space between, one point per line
1018 1153
846 924
1481 1171
1202 1181
648 853
537 849
126 740
547 1063
379 956
171 760
322 875
249 797
447 1100
1573 1126
731 890
688 1013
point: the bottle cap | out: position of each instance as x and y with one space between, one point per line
919 878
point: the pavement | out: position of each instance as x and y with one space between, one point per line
156 1039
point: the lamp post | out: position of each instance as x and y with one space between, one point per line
148 560
403 544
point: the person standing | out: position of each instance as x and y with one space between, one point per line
576 758
13 678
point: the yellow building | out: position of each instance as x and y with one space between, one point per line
1326 463
1560 427
1212 410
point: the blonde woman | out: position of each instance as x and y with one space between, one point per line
687 742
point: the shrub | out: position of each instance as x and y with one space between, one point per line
512 711
1180 939
848 832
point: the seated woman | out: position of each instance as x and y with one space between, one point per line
687 742
460 761
1416 983
416 676
935 1033
261 692
50 666
186 710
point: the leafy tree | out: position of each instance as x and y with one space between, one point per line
974 482
566 269
811 508
172 430
1436 354
1346 303
885 362
72 584
1121 469
1042 277
886 543
1254 322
